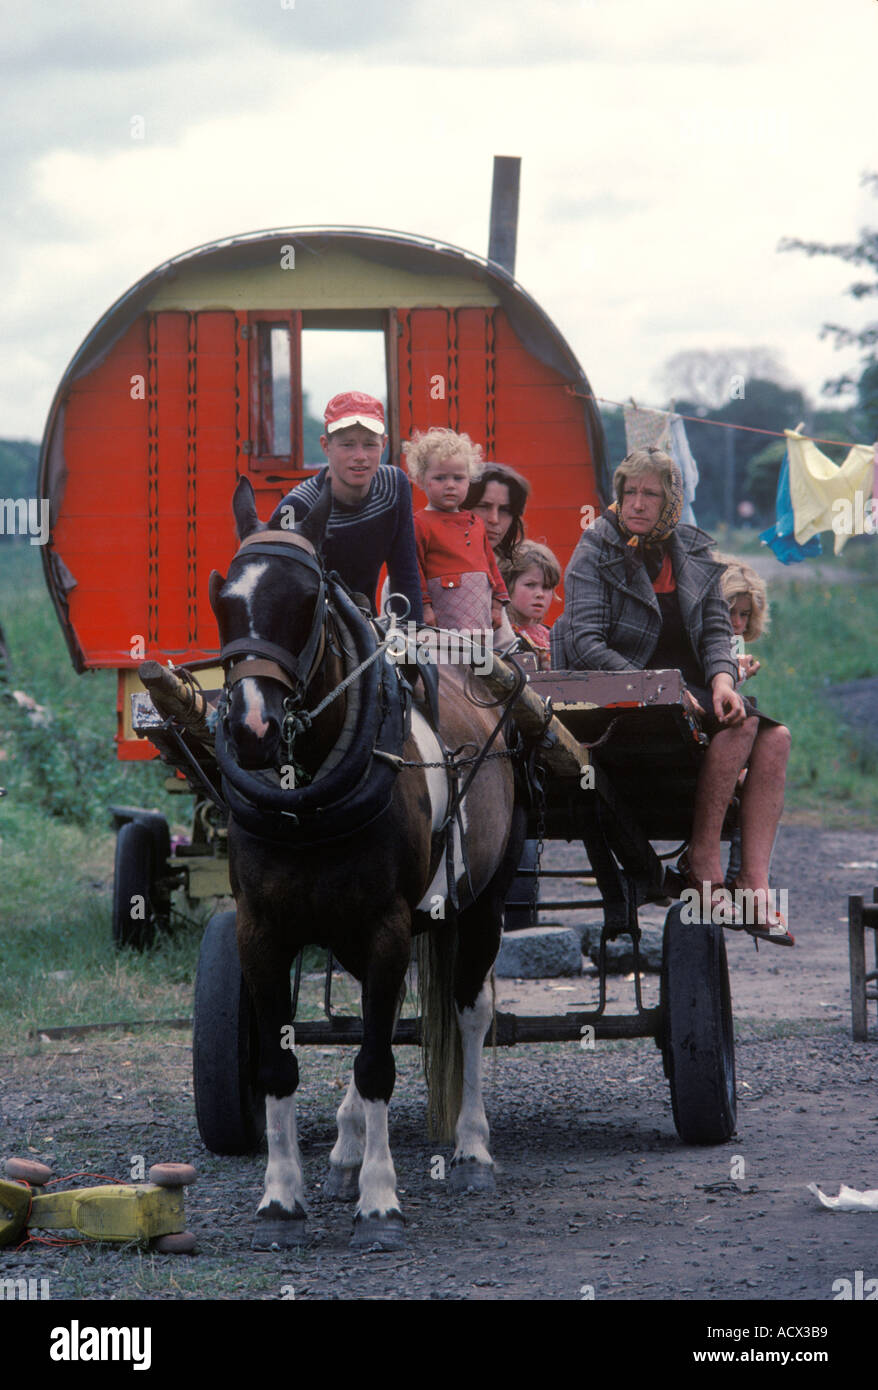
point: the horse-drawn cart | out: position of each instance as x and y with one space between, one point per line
194 385
632 784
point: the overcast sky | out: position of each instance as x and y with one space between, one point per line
666 150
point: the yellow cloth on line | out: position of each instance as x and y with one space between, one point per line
816 484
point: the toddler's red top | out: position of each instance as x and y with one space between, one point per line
453 543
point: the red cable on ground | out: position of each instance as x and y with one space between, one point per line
102 1177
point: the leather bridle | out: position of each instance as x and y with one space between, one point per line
253 656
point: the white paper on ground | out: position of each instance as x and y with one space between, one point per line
848 1199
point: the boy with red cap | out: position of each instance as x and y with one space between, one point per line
370 521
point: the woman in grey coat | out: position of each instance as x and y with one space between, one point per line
643 592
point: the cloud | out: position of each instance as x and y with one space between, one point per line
665 152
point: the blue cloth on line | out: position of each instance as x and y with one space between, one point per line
781 536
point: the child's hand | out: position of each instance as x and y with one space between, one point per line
747 666
496 613
429 615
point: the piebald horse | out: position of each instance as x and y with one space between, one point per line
348 831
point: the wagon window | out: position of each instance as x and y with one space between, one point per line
340 352
275 391
274 351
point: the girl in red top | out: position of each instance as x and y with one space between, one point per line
462 586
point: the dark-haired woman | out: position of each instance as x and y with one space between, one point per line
499 496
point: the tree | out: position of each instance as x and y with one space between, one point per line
860 253
715 377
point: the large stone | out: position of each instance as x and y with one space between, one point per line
620 953
540 953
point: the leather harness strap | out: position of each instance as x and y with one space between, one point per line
273 537
266 658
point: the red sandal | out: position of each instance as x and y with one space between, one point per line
778 933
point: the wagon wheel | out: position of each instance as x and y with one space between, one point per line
228 1105
136 913
698 1039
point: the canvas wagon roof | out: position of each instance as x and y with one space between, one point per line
241 271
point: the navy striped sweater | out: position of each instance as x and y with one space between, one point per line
360 539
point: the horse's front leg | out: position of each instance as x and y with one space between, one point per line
281 1212
379 1221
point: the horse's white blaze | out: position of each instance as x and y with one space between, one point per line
471 1133
254 708
377 1175
284 1179
429 750
245 587
348 1149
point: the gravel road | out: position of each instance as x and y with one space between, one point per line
596 1196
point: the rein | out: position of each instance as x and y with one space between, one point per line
358 788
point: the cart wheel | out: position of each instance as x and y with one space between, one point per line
698 1039
172 1174
28 1170
228 1105
134 889
180 1243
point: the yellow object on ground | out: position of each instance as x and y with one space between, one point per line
14 1202
826 496
119 1211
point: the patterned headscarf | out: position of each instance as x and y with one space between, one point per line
668 517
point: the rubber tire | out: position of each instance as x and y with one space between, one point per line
229 1108
134 876
172 1174
698 1037
28 1170
180 1243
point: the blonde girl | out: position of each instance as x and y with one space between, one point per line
462 586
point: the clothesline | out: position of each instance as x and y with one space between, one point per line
699 420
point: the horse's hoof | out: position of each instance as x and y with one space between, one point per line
342 1184
279 1229
379 1232
468 1175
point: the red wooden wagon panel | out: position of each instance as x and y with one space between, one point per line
170 398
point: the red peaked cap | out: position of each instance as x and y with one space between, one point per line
354 408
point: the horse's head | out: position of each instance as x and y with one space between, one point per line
270 613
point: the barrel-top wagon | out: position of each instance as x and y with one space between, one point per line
198 376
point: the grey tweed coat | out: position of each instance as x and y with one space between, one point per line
612 624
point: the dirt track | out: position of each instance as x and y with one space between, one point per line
595 1191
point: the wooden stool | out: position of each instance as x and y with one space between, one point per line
860 916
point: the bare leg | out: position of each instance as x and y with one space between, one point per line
761 805
727 753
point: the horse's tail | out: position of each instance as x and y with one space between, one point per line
440 1034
